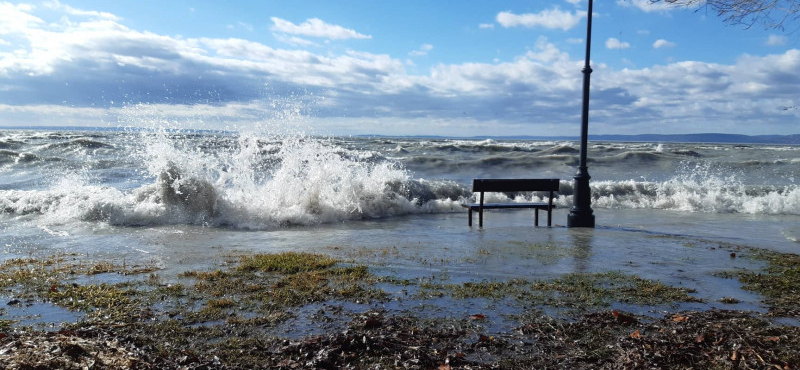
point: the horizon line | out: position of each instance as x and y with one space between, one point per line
705 137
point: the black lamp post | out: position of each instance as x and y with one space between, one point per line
581 215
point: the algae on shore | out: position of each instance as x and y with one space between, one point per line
230 318
778 282
574 290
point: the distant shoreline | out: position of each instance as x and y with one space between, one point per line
717 138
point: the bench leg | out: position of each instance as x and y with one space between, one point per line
549 217
469 219
536 217
480 218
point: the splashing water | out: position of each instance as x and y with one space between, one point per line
699 188
241 181
276 175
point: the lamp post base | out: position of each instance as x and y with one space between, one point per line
581 214
583 219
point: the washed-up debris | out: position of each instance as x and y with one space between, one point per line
230 319
67 350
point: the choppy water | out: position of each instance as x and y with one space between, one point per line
182 201
263 182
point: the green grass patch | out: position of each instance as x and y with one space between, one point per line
286 263
88 297
5 324
778 282
575 290
275 282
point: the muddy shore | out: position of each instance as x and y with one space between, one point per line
306 310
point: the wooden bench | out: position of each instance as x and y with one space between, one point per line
512 185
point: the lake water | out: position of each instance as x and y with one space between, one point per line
667 211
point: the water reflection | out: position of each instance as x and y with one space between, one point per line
582 239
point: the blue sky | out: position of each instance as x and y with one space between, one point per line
392 67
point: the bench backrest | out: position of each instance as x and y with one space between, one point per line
509 185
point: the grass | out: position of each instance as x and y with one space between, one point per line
277 282
286 263
5 324
272 285
232 314
574 290
778 282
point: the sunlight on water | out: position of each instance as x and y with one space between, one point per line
269 170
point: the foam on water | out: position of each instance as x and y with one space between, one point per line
699 189
264 180
256 183
708 196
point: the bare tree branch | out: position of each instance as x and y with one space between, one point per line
771 13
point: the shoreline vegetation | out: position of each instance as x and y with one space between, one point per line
306 310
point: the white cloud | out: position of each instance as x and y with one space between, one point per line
17 18
661 43
550 18
57 6
294 40
648 6
316 27
688 93
211 80
423 50
486 26
613 43
777 40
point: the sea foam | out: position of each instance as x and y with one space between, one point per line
267 181
252 182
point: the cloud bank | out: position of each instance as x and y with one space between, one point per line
90 69
316 27
551 18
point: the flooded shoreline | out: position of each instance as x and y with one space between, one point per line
373 308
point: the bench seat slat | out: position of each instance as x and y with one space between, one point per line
475 206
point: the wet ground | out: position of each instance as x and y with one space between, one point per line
422 291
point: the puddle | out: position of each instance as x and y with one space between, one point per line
39 315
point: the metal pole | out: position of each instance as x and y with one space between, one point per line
581 215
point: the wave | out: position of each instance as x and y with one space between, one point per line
9 156
488 146
688 153
80 144
10 144
313 182
561 150
177 197
257 182
630 157
767 162
188 200
711 195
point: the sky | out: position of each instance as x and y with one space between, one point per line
352 67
